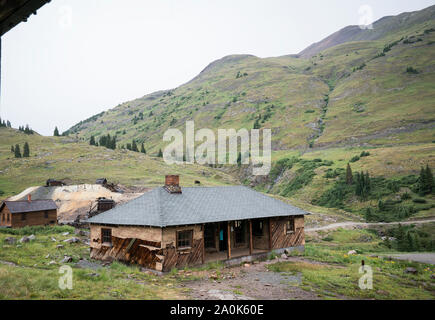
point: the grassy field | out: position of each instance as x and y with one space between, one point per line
334 274
27 270
78 162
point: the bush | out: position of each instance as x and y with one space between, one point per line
355 159
405 196
419 200
364 154
412 70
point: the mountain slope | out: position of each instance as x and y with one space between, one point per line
382 28
354 93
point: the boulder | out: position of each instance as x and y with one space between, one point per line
51 262
284 256
59 246
53 239
352 252
246 265
24 239
411 270
11 240
32 237
65 233
66 259
72 240
287 252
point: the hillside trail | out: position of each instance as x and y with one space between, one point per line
337 225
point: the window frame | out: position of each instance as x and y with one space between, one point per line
105 236
190 239
46 214
290 225
23 216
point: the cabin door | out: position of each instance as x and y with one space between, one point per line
223 234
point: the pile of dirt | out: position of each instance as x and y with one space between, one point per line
76 200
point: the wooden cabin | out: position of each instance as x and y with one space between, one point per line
54 183
17 214
172 227
102 181
104 204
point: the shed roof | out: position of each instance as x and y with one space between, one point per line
29 206
194 206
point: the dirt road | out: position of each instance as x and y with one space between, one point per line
365 224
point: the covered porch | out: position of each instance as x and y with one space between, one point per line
233 239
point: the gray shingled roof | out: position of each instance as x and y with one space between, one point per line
194 206
26 206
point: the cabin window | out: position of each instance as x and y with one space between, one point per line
23 216
290 226
257 228
184 239
239 231
46 214
106 235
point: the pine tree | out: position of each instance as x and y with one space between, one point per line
92 141
160 154
349 176
17 151
26 150
12 149
56 132
142 148
8 124
256 124
129 146
430 187
239 159
134 146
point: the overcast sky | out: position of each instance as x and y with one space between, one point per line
76 58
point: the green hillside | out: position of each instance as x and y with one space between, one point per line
353 93
77 162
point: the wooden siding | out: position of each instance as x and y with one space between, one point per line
281 239
178 258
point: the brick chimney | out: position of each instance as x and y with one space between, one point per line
172 183
29 197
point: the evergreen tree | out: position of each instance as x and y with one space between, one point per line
12 149
134 146
26 150
8 124
113 143
92 141
17 151
256 124
56 132
142 148
362 185
129 146
349 175
160 154
239 159
430 187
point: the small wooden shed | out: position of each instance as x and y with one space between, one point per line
17 214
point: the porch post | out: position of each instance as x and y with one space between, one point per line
229 240
203 244
250 238
270 234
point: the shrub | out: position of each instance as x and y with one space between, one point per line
405 196
419 200
412 70
355 159
364 154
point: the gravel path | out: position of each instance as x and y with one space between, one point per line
250 282
418 257
364 224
